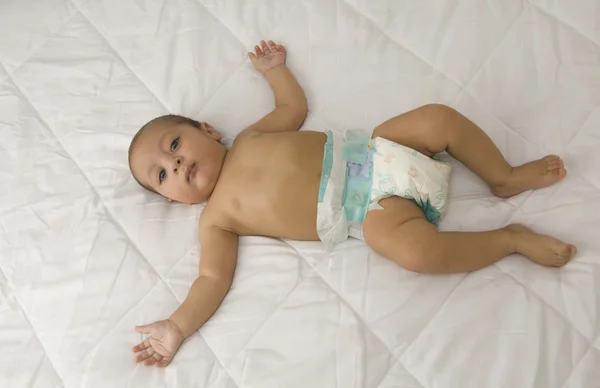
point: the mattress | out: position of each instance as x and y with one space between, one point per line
86 254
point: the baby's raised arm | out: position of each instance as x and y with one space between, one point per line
290 102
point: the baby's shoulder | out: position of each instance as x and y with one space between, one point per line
215 214
256 140
251 146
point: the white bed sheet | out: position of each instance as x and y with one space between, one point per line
85 254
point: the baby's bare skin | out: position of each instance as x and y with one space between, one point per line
267 184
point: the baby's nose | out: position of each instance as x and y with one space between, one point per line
177 165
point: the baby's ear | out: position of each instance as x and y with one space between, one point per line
212 132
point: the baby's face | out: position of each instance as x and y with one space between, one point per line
180 162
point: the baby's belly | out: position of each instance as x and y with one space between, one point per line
282 208
291 219
290 212
279 191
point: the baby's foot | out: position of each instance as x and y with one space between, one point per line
541 249
533 175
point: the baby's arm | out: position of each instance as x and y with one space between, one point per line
217 265
290 102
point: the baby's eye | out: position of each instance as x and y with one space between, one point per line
161 175
174 144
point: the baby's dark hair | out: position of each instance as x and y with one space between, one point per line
166 119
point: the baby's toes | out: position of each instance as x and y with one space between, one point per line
551 158
555 168
560 261
565 254
557 173
553 162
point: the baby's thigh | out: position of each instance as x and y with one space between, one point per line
420 129
382 228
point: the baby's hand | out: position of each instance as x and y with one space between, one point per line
162 344
268 57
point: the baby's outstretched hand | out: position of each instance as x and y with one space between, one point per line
160 347
267 57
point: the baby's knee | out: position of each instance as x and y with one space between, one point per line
418 249
435 112
421 258
436 117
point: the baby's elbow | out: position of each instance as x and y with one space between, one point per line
298 116
304 106
301 109
302 112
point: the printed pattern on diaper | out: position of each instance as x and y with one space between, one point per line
385 186
384 182
441 196
405 172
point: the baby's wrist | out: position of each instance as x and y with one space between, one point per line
177 328
266 72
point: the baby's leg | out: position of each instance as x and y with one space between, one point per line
436 128
401 233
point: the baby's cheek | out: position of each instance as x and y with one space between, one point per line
201 178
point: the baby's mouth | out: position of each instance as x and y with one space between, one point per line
190 172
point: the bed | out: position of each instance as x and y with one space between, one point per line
86 254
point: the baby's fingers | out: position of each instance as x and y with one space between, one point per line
154 359
265 48
144 355
142 345
258 51
164 362
146 329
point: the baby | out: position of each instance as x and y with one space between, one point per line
386 189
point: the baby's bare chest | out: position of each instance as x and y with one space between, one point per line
275 192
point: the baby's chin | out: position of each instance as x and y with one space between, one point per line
195 198
205 187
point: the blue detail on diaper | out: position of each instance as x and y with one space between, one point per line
359 180
327 164
432 214
356 147
358 155
360 170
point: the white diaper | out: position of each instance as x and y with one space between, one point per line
358 172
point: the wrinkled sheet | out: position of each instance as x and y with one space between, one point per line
85 254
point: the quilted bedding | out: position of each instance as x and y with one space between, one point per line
85 254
